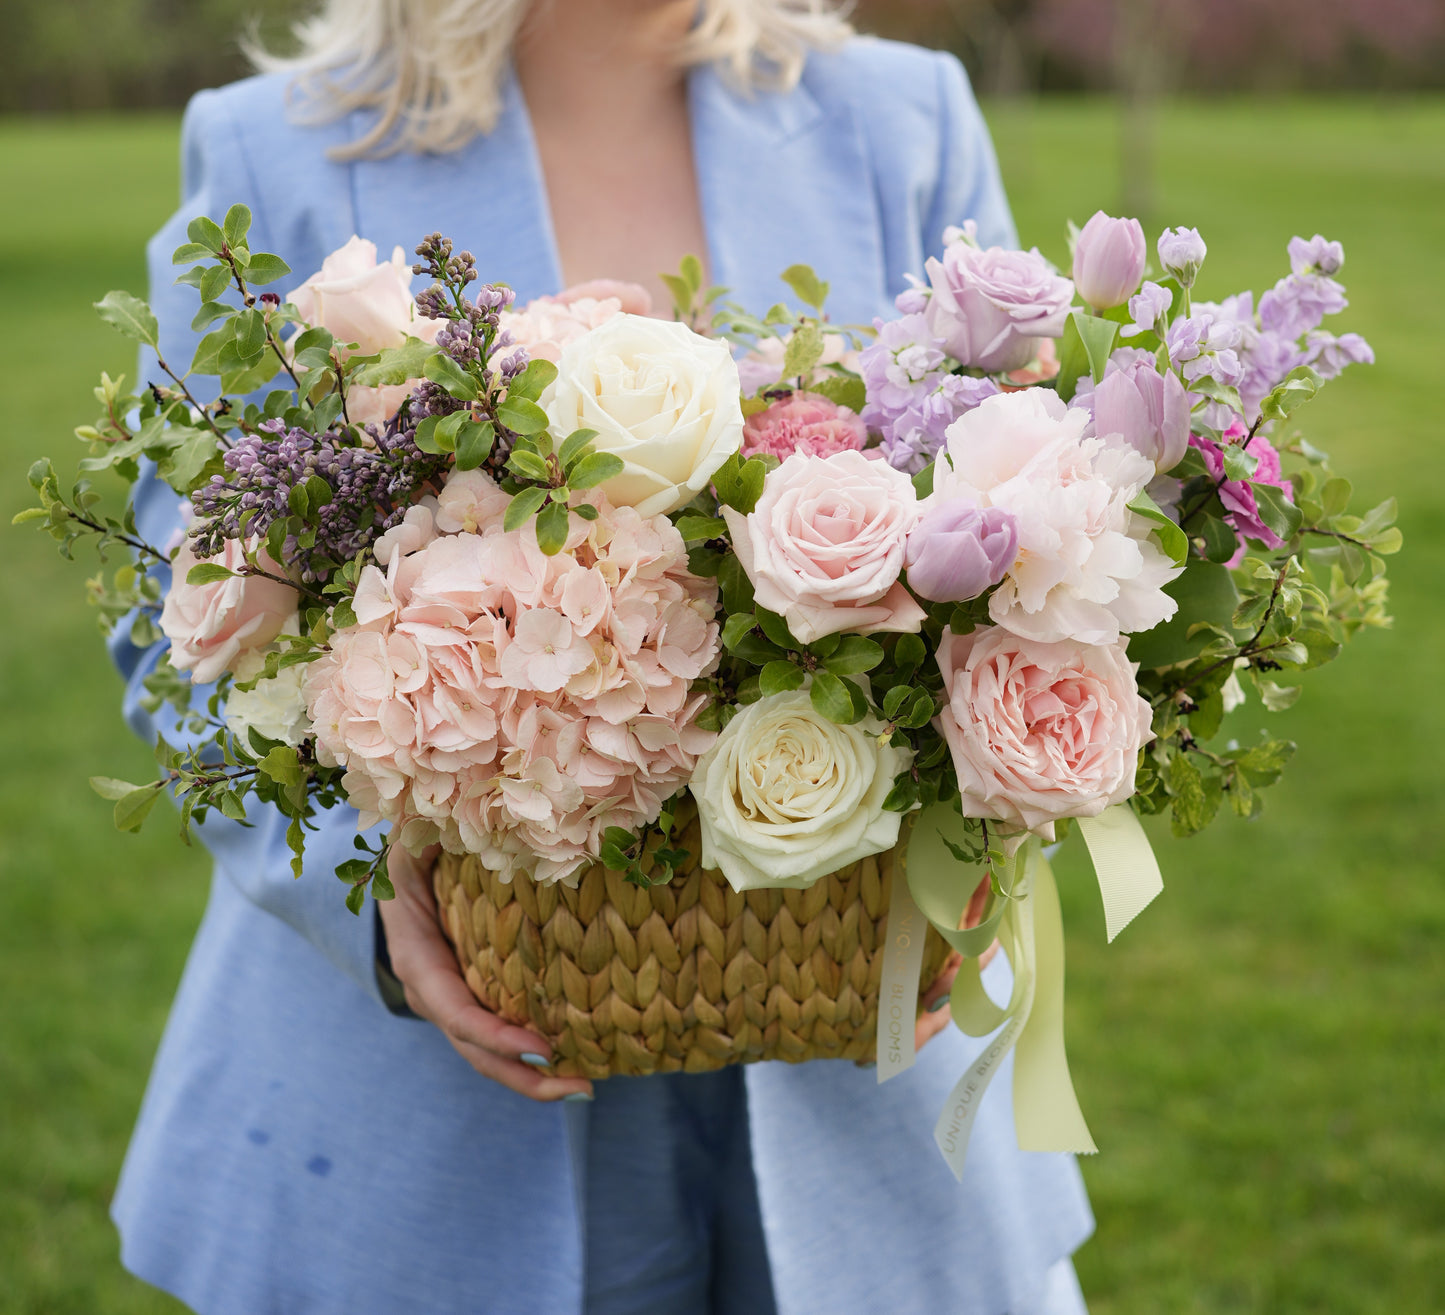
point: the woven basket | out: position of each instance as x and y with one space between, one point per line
689 975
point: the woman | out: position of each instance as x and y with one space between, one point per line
300 1147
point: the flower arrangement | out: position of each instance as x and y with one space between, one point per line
518 580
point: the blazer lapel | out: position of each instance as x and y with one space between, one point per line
784 181
489 197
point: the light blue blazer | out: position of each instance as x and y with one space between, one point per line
300 1149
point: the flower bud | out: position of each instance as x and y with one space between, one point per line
1109 259
1148 309
1182 252
957 550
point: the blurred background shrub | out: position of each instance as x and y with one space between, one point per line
111 54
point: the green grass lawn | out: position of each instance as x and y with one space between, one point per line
1261 1056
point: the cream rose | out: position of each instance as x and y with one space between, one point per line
211 626
786 796
1040 731
661 397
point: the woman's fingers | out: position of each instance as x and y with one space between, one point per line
426 966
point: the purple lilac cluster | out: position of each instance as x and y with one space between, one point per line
371 488
913 396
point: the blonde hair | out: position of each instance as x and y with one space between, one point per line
433 69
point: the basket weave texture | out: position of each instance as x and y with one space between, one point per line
689 975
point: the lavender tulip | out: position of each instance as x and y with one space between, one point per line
1109 259
957 550
1149 411
990 307
1182 252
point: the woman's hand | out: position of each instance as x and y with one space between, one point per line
936 1016
426 965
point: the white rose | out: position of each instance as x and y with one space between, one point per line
276 707
663 398
786 796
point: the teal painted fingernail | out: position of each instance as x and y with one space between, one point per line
938 1004
536 1061
578 1095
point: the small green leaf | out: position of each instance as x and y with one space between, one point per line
594 469
1276 511
533 381
237 224
695 528
190 252
208 573
523 507
778 677
1297 388
909 652
808 287
1172 539
107 787
573 447
776 628
474 444
131 316
521 416
205 232
441 369
395 365
1084 349
855 654
803 352
264 268
356 899
833 699
756 650
529 465
381 887
552 525
214 281
923 481
844 389
283 767
132 810
735 627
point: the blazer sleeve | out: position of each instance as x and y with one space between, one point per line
969 184
215 174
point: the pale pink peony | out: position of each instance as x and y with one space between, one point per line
545 325
211 626
515 705
1087 567
1040 731
825 544
806 423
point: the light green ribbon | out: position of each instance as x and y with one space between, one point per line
898 984
1024 916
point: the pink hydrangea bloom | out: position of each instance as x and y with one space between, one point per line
514 705
1241 508
806 423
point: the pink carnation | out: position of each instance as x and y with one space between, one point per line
515 705
806 423
546 325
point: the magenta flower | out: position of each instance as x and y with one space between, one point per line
1241 508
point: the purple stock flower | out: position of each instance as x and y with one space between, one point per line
1298 302
990 307
1147 308
1328 356
1182 252
902 361
1203 345
919 430
957 550
1148 410
1109 259
1316 256
1268 360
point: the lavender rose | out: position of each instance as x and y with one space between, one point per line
958 550
1109 259
991 306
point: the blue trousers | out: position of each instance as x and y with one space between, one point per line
664 1170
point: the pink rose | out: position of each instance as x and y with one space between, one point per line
992 306
825 544
210 626
806 423
355 299
545 325
358 300
1040 731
